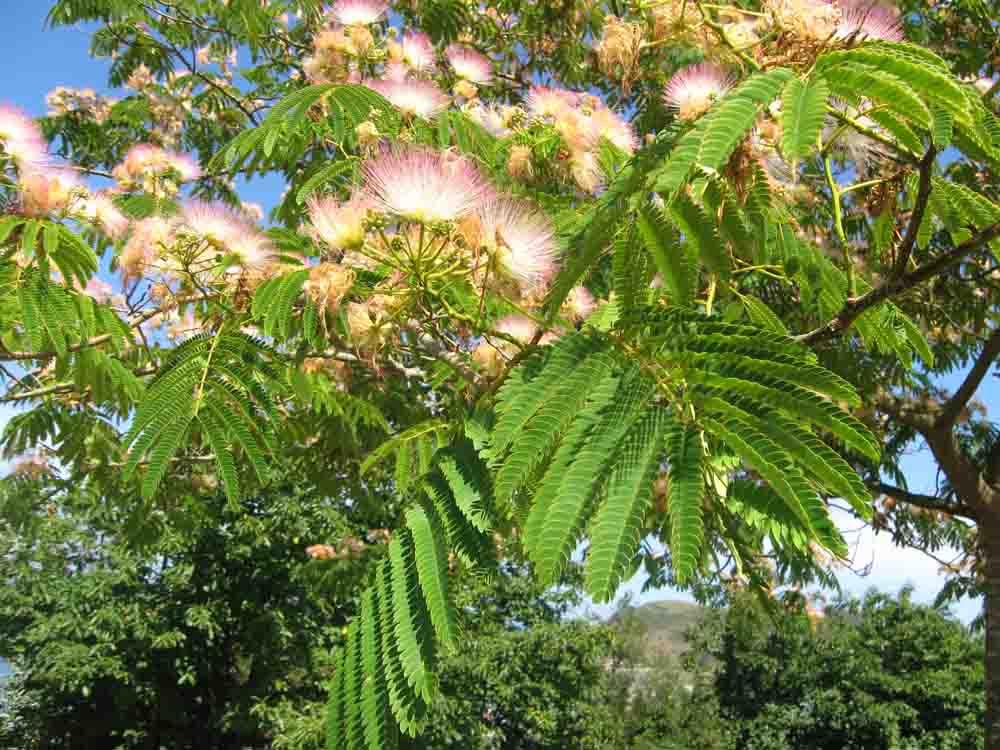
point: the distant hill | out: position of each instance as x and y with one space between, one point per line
659 627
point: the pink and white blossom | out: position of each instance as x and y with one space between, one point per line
21 138
358 12
490 117
339 225
693 90
470 64
418 51
579 304
100 209
149 240
421 184
99 290
230 230
49 190
544 101
606 123
521 240
863 19
145 161
413 97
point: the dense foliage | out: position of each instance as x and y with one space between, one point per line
691 290
877 673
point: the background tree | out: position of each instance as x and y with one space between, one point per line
879 672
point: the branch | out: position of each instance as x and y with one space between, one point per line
953 407
905 249
930 502
7 356
855 306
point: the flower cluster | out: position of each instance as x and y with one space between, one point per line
155 170
62 100
205 241
582 121
423 217
822 21
31 466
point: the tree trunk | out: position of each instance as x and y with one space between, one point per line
990 536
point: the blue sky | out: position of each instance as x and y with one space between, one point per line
39 60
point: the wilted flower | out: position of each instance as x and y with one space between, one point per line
693 90
422 184
364 323
328 283
339 225
674 18
413 96
469 64
520 239
321 552
351 12
465 89
619 49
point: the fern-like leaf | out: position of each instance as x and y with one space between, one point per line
803 109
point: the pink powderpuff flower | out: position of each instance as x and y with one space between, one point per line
586 172
517 326
340 225
521 240
490 117
21 138
149 240
48 191
31 465
609 124
145 160
421 184
418 52
864 20
100 209
692 91
469 64
413 97
98 290
395 72
492 352
233 231
544 101
358 12
579 304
